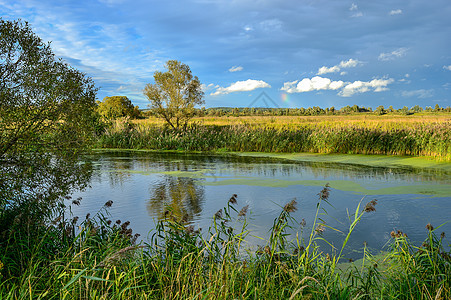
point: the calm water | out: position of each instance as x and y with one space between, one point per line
142 184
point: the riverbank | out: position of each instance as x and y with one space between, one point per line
97 258
431 140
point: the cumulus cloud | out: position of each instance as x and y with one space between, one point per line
398 53
351 63
325 70
447 67
395 12
356 87
422 94
348 89
353 7
236 69
315 84
241 86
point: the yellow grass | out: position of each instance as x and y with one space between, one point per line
291 122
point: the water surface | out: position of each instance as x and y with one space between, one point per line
143 184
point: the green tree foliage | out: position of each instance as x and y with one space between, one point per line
437 108
380 110
416 109
46 119
175 94
116 107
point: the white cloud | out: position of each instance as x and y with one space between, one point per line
347 89
405 79
241 86
418 93
208 87
377 85
335 85
395 12
315 84
236 69
351 63
354 7
393 55
447 67
325 70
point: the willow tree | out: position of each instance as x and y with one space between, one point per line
46 119
117 106
174 94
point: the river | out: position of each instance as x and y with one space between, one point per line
142 184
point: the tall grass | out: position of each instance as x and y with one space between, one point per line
420 139
99 259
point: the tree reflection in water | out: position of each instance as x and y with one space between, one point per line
181 194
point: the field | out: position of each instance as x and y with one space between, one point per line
370 121
415 135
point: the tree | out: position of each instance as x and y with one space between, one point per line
404 110
416 109
380 110
175 94
437 108
46 120
116 107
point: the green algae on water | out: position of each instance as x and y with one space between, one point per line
343 185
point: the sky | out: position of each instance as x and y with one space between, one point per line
256 52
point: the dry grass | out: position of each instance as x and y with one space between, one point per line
369 121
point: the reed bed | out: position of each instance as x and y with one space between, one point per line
99 259
429 139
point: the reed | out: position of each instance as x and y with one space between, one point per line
96 258
415 139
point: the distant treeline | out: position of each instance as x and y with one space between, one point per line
311 111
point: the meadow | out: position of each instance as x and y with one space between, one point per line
424 135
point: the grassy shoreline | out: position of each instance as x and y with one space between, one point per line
97 258
431 139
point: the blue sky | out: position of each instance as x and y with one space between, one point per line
300 53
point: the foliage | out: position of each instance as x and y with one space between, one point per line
47 119
116 107
312 111
175 94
